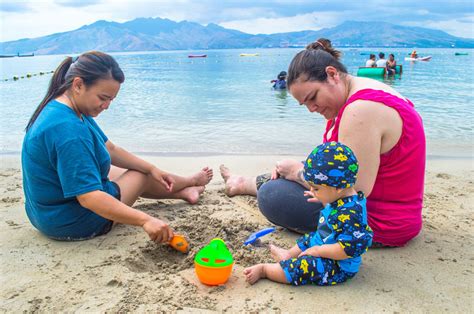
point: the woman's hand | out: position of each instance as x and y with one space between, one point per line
164 178
313 251
157 230
287 169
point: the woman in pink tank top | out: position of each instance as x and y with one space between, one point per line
383 129
395 203
378 124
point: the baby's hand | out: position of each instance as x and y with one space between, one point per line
313 251
312 198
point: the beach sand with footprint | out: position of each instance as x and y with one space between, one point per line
124 271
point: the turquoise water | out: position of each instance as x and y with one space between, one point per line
170 104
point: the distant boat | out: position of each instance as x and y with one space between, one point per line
197 56
428 58
460 53
26 55
249 54
7 56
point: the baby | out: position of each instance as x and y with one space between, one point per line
331 254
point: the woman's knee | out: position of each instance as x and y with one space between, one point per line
115 172
132 185
283 203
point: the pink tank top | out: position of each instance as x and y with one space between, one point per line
395 203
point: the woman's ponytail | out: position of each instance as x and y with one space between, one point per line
311 63
56 88
326 45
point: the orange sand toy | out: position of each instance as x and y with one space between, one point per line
179 243
213 263
213 276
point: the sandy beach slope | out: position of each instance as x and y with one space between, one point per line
123 271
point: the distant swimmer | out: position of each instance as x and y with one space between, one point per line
280 82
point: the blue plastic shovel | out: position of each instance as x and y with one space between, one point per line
254 236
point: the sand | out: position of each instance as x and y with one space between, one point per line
124 271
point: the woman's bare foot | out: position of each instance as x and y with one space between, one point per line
203 177
237 185
191 194
254 273
279 254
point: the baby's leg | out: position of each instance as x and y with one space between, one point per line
274 272
280 254
314 270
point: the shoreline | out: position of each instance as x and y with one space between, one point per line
215 154
251 165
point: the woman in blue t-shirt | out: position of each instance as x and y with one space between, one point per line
77 183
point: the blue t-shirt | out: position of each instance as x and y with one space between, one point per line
63 157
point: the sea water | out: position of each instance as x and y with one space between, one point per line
224 104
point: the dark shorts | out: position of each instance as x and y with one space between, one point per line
283 203
92 225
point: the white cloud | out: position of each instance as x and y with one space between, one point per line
34 18
45 18
457 27
311 21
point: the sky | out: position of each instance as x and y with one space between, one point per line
35 18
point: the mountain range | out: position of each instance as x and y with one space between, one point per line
148 34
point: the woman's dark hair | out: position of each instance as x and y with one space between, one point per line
310 64
90 67
381 55
372 56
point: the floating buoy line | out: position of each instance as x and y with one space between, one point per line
27 75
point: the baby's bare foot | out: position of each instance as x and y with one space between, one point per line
254 273
279 254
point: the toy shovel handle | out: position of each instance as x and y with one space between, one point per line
258 234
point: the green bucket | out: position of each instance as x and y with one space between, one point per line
215 254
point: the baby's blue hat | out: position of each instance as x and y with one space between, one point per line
331 164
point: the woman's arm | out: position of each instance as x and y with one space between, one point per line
124 159
360 130
108 207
